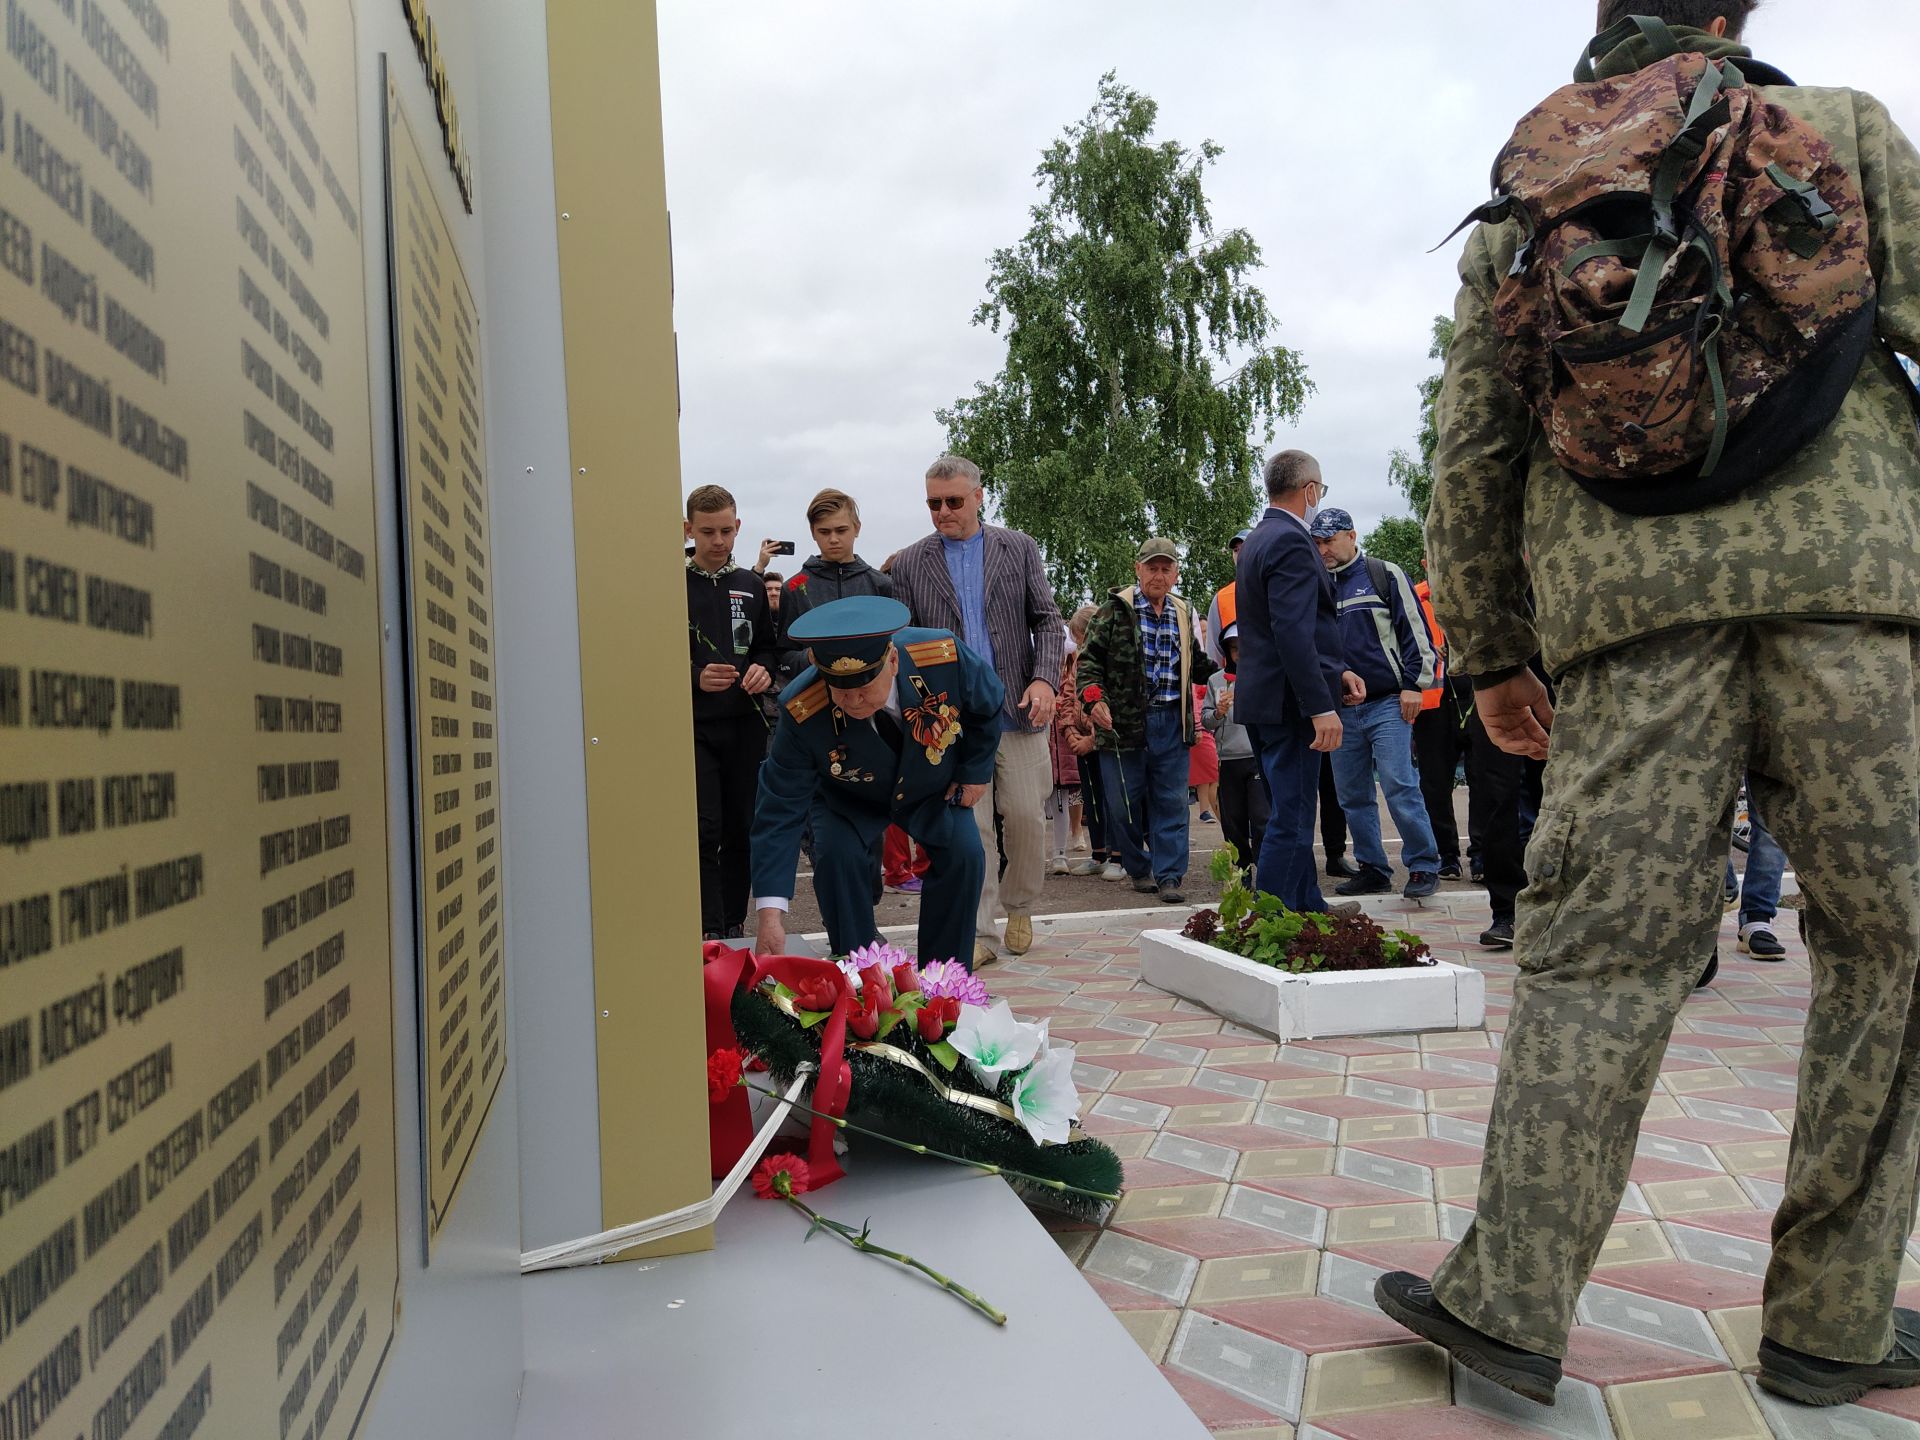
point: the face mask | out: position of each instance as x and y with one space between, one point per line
1313 514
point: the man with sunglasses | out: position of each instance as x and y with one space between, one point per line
989 586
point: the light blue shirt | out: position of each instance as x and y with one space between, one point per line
967 569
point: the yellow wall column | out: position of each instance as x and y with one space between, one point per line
622 411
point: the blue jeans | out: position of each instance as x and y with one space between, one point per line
1766 864
1292 769
1377 741
1146 795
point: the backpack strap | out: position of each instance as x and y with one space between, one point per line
1655 31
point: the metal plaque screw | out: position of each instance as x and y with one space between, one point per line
595 740
565 215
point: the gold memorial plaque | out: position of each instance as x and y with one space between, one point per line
197 1203
436 357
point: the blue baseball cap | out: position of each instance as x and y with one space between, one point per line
1330 522
849 639
1239 539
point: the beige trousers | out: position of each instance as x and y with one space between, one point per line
1022 780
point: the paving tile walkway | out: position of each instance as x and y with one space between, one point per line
1268 1186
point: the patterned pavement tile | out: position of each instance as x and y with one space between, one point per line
1275 1275
1294 1218
1391 1377
1647 1317
1370 1224
1309 1324
1692 1407
1152 1329
1172 1202
1292 1175
1257 1370
1151 1268
1578 1412
1216 1160
1633 1242
1290 1163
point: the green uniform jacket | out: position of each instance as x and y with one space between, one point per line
1834 533
1113 660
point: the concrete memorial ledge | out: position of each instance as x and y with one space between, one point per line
1301 1007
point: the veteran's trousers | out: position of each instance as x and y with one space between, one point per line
846 857
1625 868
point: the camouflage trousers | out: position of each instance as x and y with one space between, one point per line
1614 928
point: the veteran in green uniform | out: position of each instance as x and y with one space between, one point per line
888 725
1777 633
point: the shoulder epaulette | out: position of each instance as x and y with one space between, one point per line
808 703
934 652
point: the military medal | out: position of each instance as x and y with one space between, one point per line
934 722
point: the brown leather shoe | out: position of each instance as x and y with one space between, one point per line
1019 934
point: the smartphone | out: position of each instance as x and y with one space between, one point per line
785 547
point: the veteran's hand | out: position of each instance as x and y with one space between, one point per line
770 935
966 796
1518 714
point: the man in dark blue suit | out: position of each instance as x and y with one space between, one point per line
1293 676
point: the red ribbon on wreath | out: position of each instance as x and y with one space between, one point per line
730 1128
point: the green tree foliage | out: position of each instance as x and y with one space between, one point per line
1111 419
1400 538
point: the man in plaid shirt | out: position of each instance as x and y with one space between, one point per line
1136 679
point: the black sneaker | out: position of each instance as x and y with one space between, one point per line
1706 975
1410 1301
1144 884
1171 894
1761 943
1813 1381
1341 868
1368 882
1498 935
1421 884
1449 869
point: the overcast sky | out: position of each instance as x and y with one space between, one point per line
840 170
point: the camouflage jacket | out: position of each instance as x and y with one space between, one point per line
1113 661
1833 533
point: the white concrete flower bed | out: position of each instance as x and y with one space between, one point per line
1302 1007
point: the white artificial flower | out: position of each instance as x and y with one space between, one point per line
1044 1098
995 1043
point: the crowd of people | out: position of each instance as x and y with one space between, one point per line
1689 591
1116 722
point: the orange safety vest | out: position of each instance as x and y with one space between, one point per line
1430 699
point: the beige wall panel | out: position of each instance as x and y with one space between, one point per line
197 1208
456 782
622 411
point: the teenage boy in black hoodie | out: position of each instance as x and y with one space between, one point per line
833 574
731 636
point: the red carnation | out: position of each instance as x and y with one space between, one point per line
817 992
798 582
1093 695
781 1176
723 1073
906 979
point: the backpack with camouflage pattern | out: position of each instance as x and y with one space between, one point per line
1692 296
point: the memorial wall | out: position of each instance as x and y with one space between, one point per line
449 568
197 1187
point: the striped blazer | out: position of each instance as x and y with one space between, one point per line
1023 624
